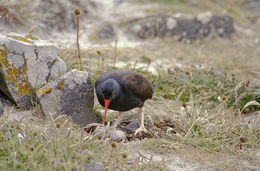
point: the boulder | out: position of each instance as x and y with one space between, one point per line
27 63
71 94
184 27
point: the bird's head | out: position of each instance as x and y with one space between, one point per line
110 91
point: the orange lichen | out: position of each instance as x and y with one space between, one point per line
43 91
60 85
17 77
30 36
23 88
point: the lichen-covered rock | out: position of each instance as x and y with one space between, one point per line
188 28
27 63
71 94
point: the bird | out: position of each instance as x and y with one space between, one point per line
122 91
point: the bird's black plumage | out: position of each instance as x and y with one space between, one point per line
126 89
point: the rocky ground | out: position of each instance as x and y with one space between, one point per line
168 39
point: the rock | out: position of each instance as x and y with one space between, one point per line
130 128
5 101
117 135
71 94
102 131
27 63
1 108
103 33
105 132
91 128
188 28
223 24
93 167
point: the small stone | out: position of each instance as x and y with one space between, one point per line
204 18
93 167
101 131
243 139
1 108
171 23
130 128
117 135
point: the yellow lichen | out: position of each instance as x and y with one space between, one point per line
20 39
23 88
30 36
43 91
17 77
60 85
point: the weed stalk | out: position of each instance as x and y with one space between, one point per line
115 53
79 62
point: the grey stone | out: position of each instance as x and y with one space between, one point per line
27 63
117 135
1 108
71 94
93 167
102 33
104 132
184 27
130 128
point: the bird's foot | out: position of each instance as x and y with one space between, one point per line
140 129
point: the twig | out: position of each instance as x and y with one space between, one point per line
115 53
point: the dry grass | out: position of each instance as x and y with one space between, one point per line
58 144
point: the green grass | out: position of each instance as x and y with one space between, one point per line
210 86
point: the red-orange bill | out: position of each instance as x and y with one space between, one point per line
107 101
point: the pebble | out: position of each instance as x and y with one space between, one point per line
117 135
93 167
1 108
130 128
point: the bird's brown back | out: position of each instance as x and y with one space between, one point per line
138 84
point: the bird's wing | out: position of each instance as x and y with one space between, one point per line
138 84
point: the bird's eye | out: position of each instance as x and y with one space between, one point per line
113 91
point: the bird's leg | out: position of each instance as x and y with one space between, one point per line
118 120
141 128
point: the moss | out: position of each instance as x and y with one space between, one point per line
60 85
20 39
44 90
16 76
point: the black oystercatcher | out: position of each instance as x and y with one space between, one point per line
123 91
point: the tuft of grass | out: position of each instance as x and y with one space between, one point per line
57 144
212 87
